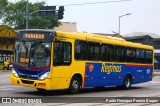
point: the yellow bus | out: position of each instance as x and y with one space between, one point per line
49 60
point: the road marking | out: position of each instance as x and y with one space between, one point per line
154 82
4 76
5 82
9 87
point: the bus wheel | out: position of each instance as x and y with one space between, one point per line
75 85
127 82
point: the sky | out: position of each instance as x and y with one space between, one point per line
104 17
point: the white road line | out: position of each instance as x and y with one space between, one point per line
154 82
5 82
5 75
9 87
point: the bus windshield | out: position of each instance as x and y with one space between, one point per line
32 54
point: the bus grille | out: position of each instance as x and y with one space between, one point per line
30 72
27 82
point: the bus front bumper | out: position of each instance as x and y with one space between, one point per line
42 84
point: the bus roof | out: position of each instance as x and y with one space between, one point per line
102 39
42 30
95 38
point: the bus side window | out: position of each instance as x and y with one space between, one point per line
119 53
130 55
103 53
106 52
148 57
93 51
67 52
80 50
62 53
140 56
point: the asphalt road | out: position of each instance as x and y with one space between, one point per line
87 97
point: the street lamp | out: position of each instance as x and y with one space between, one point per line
120 21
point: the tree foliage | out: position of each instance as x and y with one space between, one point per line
3 4
15 16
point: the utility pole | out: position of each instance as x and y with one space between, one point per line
27 15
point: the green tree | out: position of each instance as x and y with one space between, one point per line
14 16
3 4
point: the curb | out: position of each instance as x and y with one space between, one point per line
156 73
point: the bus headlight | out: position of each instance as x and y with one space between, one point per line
44 76
14 73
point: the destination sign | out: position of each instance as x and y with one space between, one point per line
24 60
39 35
35 36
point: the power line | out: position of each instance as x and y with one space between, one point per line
94 3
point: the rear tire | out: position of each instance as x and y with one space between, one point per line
127 82
75 85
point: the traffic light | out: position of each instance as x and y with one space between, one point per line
46 11
60 12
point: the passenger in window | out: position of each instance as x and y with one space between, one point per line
24 49
39 51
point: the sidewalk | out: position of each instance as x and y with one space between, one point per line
156 70
157 73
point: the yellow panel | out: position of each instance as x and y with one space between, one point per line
102 39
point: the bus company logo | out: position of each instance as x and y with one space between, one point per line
148 71
106 68
91 67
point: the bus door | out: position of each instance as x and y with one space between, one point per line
61 63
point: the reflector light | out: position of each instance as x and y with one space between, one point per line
41 84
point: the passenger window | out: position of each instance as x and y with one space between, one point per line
119 54
80 50
106 52
140 56
130 55
62 53
148 56
93 51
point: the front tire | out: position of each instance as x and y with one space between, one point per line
5 69
41 90
75 85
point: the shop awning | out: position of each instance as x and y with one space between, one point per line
6 31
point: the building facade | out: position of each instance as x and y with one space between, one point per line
7 39
67 26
